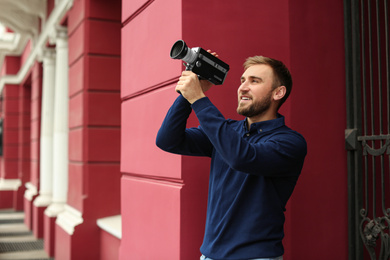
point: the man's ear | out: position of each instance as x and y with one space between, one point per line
279 93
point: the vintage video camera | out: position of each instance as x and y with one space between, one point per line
199 61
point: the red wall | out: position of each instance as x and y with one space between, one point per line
109 249
94 108
10 131
15 163
170 215
319 204
35 128
163 195
94 123
24 153
163 205
9 166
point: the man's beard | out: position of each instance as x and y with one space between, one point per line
256 108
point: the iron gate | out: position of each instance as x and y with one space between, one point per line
366 24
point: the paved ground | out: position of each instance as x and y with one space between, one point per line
16 241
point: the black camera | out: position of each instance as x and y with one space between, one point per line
199 61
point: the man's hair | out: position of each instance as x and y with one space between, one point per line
282 76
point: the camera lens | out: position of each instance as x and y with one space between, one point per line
179 50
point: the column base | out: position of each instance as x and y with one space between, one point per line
49 234
39 206
50 217
8 192
75 237
29 196
54 209
69 219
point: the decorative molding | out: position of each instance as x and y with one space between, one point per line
11 43
49 53
43 200
58 32
31 191
10 184
69 219
23 17
54 209
22 23
54 19
31 7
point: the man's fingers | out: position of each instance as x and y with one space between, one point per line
213 53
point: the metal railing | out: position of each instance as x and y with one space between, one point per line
368 127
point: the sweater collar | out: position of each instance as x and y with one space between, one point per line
265 126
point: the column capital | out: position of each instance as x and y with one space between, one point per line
61 31
58 33
61 37
49 53
46 53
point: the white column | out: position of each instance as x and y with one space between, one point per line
60 140
46 141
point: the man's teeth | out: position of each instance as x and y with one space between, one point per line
245 98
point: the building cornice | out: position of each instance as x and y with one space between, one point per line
49 28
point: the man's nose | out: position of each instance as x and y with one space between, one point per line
243 87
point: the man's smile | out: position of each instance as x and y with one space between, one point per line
245 99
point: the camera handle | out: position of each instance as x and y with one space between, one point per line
189 68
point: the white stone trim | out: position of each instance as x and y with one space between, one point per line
11 43
112 225
10 184
43 200
55 18
30 192
69 219
54 209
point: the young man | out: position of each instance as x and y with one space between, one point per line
255 162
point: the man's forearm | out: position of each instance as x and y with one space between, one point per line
173 127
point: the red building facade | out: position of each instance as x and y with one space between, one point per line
85 93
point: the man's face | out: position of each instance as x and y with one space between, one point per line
255 91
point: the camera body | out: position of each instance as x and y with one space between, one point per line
202 63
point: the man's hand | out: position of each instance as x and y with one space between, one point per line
191 87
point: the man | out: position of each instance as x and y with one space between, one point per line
255 162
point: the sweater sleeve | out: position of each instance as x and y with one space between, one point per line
174 137
281 154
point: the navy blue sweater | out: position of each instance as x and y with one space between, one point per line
252 175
